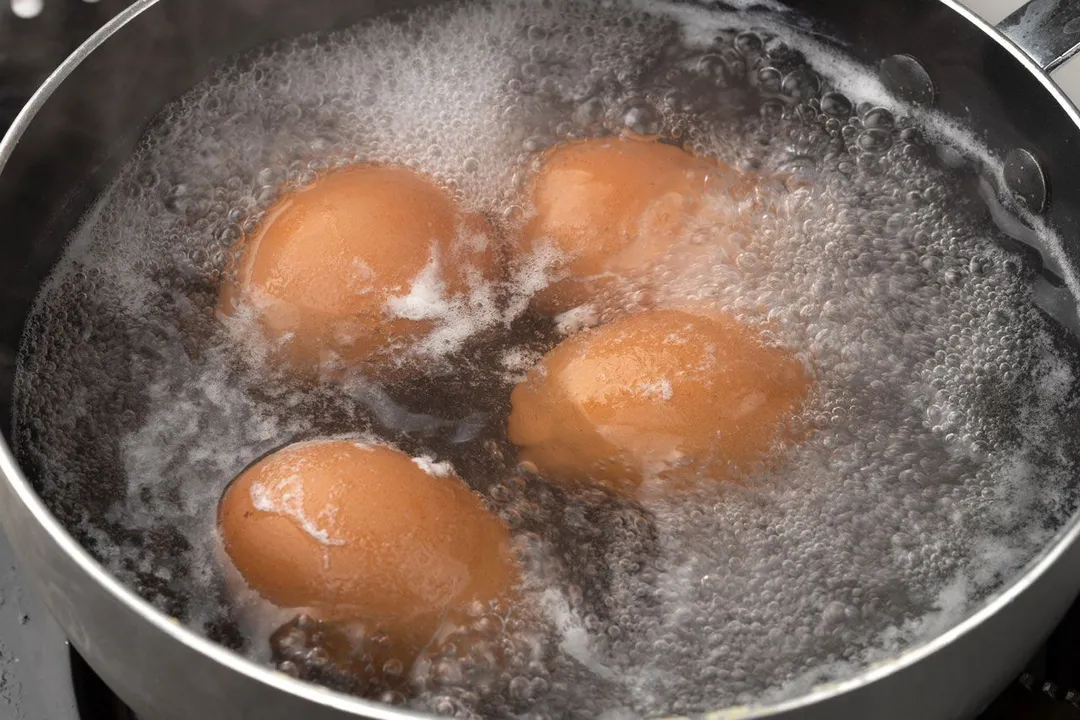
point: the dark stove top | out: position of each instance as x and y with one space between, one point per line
43 678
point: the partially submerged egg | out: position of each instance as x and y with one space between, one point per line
334 272
608 208
668 395
361 534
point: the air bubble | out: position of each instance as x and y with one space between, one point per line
801 84
772 111
771 80
748 43
878 118
836 105
979 265
643 120
875 140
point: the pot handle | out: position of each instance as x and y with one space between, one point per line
1047 30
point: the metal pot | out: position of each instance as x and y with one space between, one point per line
84 121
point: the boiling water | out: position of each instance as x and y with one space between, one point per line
943 406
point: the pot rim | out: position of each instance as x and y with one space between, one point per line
311 692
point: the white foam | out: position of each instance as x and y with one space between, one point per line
577 319
426 297
433 467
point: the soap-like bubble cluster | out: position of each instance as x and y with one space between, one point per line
940 432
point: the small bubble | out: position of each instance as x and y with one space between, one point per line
875 140
801 84
771 80
836 105
878 118
643 120
748 43
536 143
772 111
520 688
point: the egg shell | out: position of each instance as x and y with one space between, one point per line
318 271
351 531
610 207
665 395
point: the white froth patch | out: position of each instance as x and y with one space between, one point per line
517 362
577 319
455 318
432 467
518 359
426 298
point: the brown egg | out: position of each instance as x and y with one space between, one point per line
610 207
321 269
355 533
664 394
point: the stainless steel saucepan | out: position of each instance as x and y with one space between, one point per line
87 117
